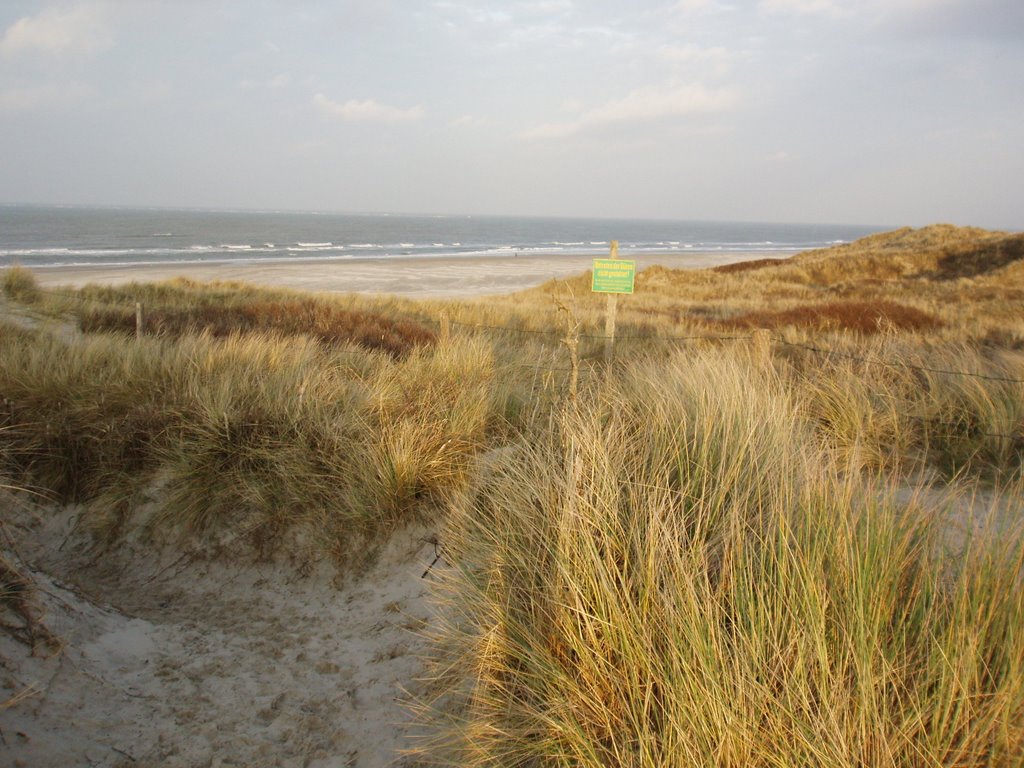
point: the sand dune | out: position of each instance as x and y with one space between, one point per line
180 663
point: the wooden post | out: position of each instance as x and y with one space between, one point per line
138 319
572 343
609 320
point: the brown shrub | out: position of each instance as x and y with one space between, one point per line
860 316
331 325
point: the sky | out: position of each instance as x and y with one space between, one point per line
888 112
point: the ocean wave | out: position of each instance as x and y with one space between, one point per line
37 252
229 252
16 252
188 262
311 248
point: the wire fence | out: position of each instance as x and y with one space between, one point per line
891 364
954 430
967 433
654 338
775 338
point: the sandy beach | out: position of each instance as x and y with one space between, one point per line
421 277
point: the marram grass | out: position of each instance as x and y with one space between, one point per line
680 578
251 436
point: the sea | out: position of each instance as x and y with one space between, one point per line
51 236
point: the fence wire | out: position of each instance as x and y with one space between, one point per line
587 370
891 364
778 339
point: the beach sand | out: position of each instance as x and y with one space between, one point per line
170 659
454 277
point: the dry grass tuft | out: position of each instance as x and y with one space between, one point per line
680 577
19 284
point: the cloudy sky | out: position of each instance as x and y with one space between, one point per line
882 112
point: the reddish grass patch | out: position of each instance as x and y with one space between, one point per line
331 325
865 317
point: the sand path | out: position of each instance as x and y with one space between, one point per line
184 664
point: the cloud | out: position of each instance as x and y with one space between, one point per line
548 6
995 19
702 7
716 59
690 53
691 6
42 97
77 30
920 18
642 105
833 8
368 110
467 121
275 83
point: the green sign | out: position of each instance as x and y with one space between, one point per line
613 276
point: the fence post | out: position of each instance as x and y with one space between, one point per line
609 320
571 340
138 319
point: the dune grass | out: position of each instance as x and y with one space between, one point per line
952 284
680 577
248 436
801 550
19 284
